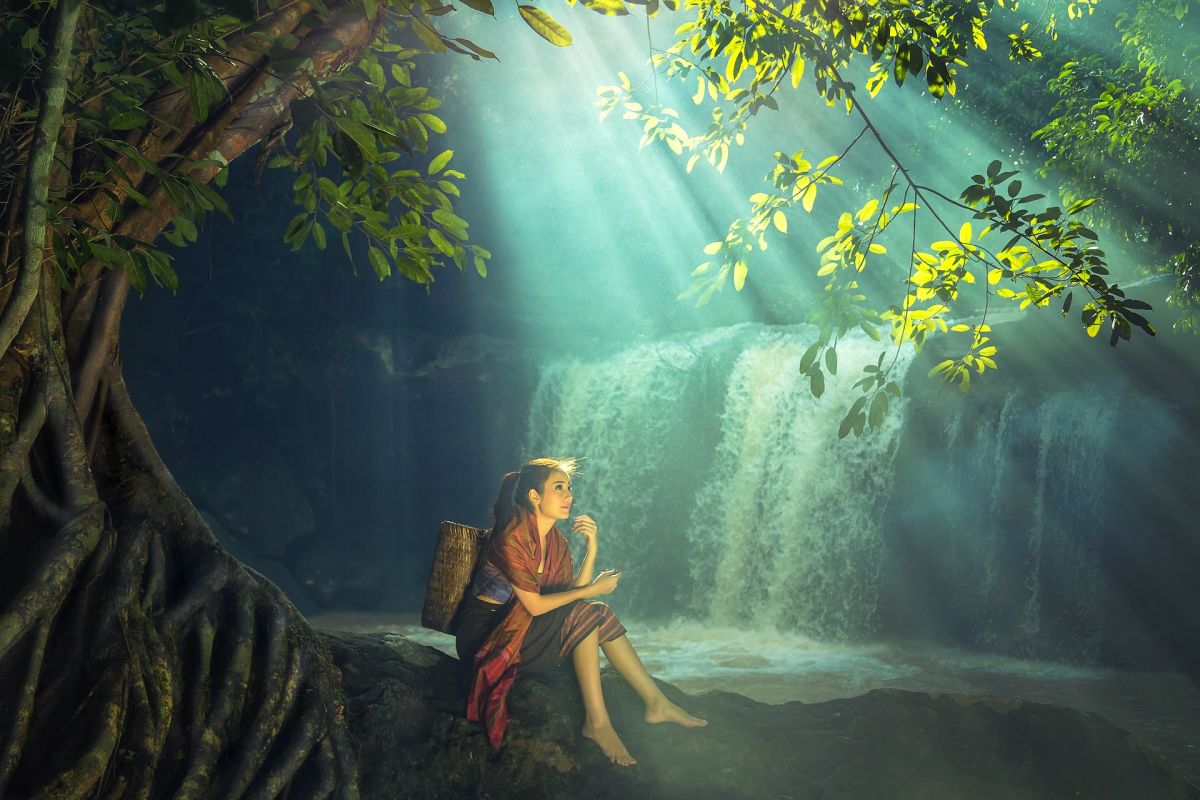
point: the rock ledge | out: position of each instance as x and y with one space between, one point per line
404 703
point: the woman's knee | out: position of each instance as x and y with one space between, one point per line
608 618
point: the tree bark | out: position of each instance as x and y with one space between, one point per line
138 659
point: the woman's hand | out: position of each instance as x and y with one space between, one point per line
606 582
585 526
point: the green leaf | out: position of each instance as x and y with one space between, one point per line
545 26
810 355
847 424
318 234
831 361
186 227
159 264
452 222
817 383
434 124
127 120
879 406
484 6
608 8
474 47
379 262
172 73
429 37
361 134
441 242
440 161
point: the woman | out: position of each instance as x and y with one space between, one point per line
526 607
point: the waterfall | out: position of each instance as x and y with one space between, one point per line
988 520
718 481
1063 553
1013 522
787 519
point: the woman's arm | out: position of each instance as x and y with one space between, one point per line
586 527
589 563
537 604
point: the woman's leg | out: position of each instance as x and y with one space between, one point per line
597 726
620 654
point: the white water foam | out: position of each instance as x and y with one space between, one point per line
786 525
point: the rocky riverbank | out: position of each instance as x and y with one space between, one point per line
404 703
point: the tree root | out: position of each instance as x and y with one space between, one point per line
143 660
24 709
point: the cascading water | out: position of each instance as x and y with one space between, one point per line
719 482
1011 524
1063 554
786 525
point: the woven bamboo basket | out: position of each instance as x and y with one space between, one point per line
458 548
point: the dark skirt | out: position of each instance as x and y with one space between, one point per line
551 637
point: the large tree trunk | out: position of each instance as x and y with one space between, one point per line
137 658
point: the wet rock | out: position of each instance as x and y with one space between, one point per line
404 704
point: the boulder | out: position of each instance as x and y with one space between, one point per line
405 703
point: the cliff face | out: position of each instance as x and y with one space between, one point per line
404 703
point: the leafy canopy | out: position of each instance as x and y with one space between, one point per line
358 138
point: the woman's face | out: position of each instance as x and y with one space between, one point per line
555 497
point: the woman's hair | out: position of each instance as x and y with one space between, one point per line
514 488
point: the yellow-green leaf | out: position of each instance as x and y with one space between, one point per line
432 122
867 211
545 26
739 275
780 221
484 6
944 366
797 71
441 242
609 8
439 163
810 196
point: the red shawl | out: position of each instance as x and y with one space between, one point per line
516 553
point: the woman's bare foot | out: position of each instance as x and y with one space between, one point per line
610 744
666 711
